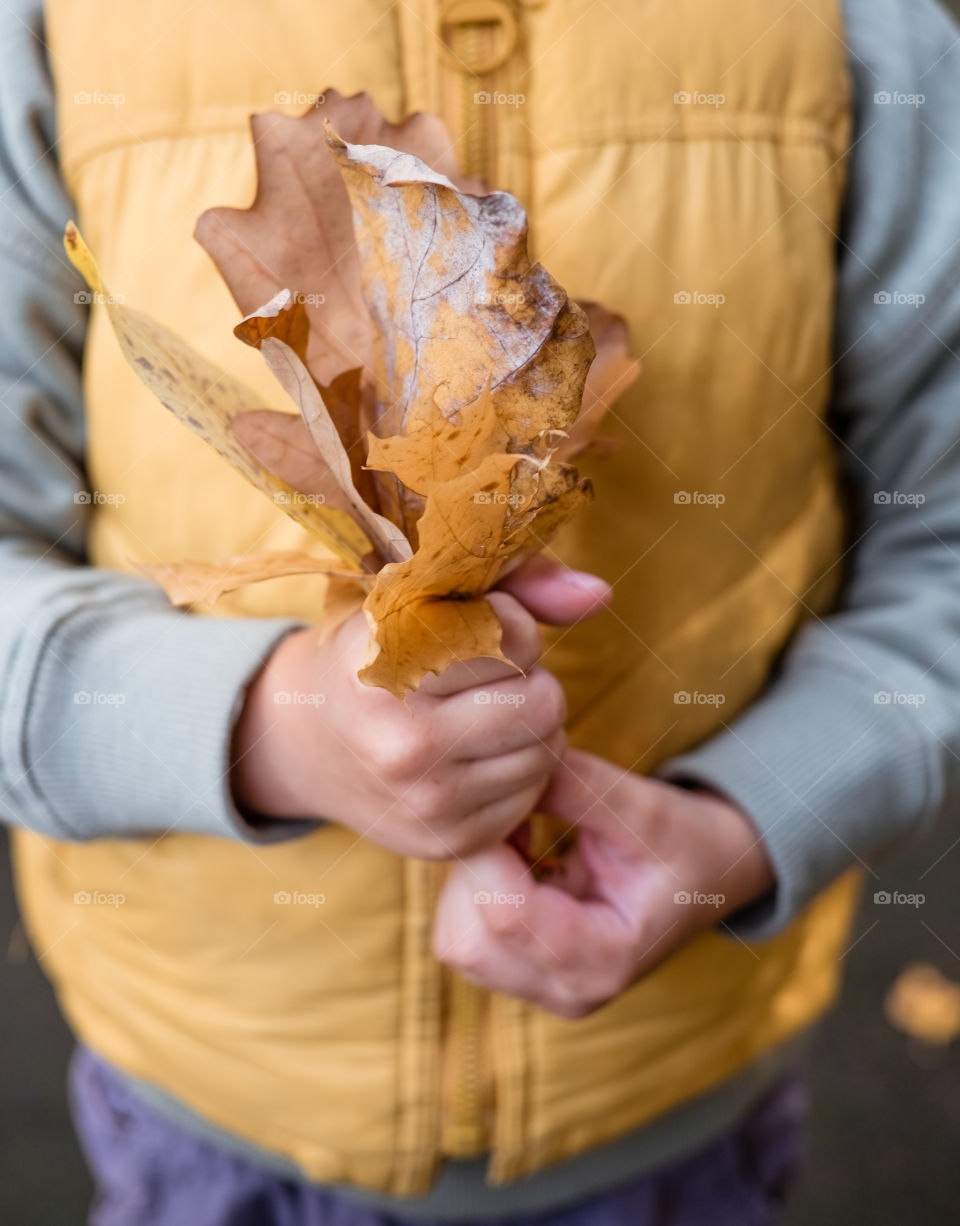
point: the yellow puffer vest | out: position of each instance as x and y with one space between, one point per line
668 152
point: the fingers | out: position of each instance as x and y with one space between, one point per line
505 716
489 826
501 929
488 780
520 643
588 789
554 594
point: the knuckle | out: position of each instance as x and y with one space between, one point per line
573 1011
398 751
556 747
468 955
433 847
506 922
460 841
432 804
571 1000
548 700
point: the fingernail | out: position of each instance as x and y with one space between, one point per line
585 581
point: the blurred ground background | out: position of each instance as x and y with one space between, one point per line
886 1125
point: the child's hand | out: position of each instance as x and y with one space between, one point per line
453 771
653 866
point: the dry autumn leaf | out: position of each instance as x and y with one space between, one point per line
429 611
925 1004
203 583
442 380
455 300
610 374
285 319
209 401
482 372
300 191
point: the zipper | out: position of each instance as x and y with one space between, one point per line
467 1126
466 1130
472 43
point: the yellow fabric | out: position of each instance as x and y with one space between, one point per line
329 1034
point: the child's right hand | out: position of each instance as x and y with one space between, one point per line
454 771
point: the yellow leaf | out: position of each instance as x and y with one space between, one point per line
442 448
266 330
611 373
209 400
442 376
485 509
925 1005
204 582
298 233
457 304
458 558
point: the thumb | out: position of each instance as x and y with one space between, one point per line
492 881
555 594
589 791
605 805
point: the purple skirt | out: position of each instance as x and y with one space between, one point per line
151 1172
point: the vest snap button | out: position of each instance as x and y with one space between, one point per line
490 13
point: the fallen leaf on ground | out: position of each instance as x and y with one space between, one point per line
925 1004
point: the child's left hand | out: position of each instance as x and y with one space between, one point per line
653 865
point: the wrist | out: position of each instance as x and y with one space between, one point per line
264 777
739 867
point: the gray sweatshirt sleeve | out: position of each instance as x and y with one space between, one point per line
854 746
115 709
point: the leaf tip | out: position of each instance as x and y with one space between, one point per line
80 256
334 140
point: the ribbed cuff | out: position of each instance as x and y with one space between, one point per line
128 709
833 773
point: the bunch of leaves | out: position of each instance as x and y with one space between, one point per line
443 380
